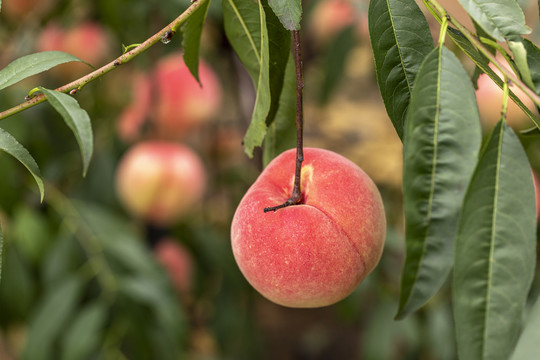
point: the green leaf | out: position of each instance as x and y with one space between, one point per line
533 60
279 45
32 64
76 119
499 18
527 346
289 12
83 335
440 149
495 250
15 149
51 316
191 38
245 27
281 133
483 63
400 39
517 45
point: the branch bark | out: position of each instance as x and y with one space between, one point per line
165 34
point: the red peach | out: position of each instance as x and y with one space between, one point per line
177 260
160 181
315 253
181 102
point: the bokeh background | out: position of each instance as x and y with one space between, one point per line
83 278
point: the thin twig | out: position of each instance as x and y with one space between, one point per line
296 196
166 33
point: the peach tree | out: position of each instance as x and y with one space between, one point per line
468 202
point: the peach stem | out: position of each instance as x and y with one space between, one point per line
296 196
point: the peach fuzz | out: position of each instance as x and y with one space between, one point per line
181 102
160 181
315 253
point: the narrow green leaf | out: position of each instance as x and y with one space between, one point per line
289 12
32 64
281 133
499 18
50 317
15 149
527 346
495 250
533 60
483 63
191 38
245 27
83 335
279 45
440 149
517 45
400 39
76 119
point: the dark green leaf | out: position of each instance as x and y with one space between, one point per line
76 119
533 59
400 39
15 149
191 39
517 45
279 45
245 27
82 337
499 18
32 64
281 133
289 12
483 63
440 149
495 250
527 346
51 316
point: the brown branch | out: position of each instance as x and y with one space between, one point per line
296 196
165 34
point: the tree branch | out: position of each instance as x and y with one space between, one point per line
164 35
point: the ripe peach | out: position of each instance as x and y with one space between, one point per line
315 253
160 181
177 260
181 102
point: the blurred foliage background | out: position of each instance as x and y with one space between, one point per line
81 278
